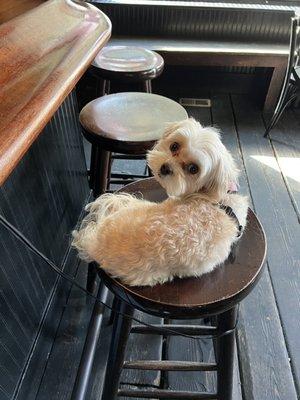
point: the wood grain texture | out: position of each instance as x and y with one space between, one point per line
44 53
273 206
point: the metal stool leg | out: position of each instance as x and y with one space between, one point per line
99 172
279 113
120 334
292 62
87 358
106 87
92 170
101 164
91 278
225 353
112 312
147 86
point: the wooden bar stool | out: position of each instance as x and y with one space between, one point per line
126 123
215 295
127 64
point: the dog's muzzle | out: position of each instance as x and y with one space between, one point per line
165 170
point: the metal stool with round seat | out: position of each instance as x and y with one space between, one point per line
127 64
215 295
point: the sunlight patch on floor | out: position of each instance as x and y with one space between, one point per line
290 166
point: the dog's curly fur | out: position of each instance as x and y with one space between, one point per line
145 243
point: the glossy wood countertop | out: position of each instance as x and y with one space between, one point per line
10 9
43 53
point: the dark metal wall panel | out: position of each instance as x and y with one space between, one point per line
43 198
242 24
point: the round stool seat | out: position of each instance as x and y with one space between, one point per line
212 293
128 62
129 122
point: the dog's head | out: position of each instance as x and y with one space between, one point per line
191 158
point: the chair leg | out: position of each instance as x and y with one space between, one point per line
147 86
120 334
225 353
100 165
87 358
91 278
93 160
106 87
112 312
99 173
276 116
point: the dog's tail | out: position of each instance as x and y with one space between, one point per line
84 240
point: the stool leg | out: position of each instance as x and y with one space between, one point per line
91 277
106 87
88 353
101 163
99 171
93 165
147 86
225 353
120 334
112 312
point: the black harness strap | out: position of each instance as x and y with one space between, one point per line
231 214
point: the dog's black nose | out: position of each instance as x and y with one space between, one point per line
165 169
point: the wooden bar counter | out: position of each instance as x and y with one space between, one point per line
43 53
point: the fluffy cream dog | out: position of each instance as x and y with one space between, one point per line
189 234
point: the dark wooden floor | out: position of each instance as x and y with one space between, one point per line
267 362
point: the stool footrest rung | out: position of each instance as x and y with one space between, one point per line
128 156
120 181
166 365
178 329
124 175
167 394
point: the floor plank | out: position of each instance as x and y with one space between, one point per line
273 206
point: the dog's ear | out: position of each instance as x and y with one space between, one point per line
222 173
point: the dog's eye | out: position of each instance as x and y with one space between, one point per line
193 168
174 147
